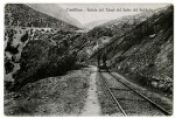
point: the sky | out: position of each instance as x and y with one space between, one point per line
88 13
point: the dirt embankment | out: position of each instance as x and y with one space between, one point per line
150 62
61 95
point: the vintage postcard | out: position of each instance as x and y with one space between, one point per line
87 59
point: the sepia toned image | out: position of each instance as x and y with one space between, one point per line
88 59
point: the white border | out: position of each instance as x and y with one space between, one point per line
2 4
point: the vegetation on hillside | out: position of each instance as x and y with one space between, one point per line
23 16
145 53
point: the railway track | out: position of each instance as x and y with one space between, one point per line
129 101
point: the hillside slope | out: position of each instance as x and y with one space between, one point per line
145 53
23 16
57 12
36 46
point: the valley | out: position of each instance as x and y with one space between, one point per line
54 66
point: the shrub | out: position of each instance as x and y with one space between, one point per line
8 67
41 59
24 37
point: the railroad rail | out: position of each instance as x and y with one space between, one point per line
119 104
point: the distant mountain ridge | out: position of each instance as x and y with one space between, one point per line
57 12
120 25
93 24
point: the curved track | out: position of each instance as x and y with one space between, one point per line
128 100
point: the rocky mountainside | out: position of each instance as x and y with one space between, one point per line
143 52
37 46
103 32
35 53
23 16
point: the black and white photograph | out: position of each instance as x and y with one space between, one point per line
88 59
